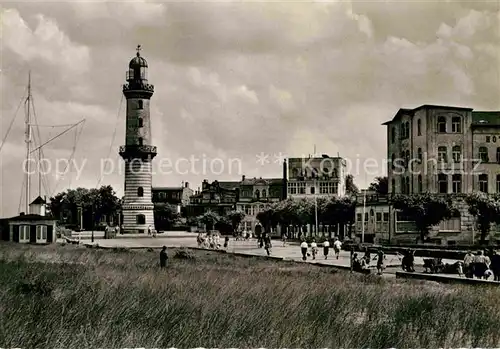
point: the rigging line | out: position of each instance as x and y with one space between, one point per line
12 121
112 140
52 126
60 134
77 138
41 154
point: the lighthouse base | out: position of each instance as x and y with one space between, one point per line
137 219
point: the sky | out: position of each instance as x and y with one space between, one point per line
238 85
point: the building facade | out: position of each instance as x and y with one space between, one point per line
442 150
178 196
138 151
255 193
316 177
218 197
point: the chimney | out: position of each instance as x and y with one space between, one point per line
242 178
186 185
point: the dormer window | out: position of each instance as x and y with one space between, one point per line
140 104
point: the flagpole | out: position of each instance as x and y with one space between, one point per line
363 220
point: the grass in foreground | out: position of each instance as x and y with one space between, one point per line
74 297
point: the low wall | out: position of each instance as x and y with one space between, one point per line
445 279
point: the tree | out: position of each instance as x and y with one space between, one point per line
210 219
486 209
235 218
165 216
426 210
350 188
380 185
94 203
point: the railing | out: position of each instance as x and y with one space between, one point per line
144 149
138 86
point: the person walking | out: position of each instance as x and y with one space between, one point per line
337 245
284 237
469 265
314 248
380 262
163 257
226 241
303 250
326 248
149 229
267 243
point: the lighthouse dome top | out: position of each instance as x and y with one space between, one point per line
138 61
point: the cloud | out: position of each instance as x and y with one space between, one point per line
233 79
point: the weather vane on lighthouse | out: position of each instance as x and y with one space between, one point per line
138 49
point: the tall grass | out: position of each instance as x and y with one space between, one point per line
76 298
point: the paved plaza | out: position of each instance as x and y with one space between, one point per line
288 252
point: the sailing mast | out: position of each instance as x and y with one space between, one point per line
28 143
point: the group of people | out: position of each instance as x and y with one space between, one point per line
304 248
363 263
481 265
265 241
211 240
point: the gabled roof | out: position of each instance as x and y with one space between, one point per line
38 201
404 111
486 118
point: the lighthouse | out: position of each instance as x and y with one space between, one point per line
138 152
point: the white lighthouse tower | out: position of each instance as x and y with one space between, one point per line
138 152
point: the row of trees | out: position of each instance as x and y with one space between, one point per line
299 213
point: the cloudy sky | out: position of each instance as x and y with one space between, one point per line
234 80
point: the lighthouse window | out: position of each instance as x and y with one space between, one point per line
139 104
140 219
141 123
140 192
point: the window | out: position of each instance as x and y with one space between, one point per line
379 217
393 186
442 184
366 217
301 188
407 158
41 233
292 188
328 188
483 154
141 122
456 153
453 224
408 190
386 216
420 189
140 219
456 181
483 183
403 158
359 217
393 134
419 127
313 189
140 141
498 155
403 185
264 194
442 156
441 125
140 104
162 196
335 173
257 194
498 183
140 192
488 139
393 161
456 125
419 155
24 233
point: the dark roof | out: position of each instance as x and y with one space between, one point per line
423 106
138 61
32 217
230 185
167 188
38 201
267 181
486 118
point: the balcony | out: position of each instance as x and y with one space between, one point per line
138 86
139 151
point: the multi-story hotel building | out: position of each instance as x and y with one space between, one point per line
440 150
316 177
